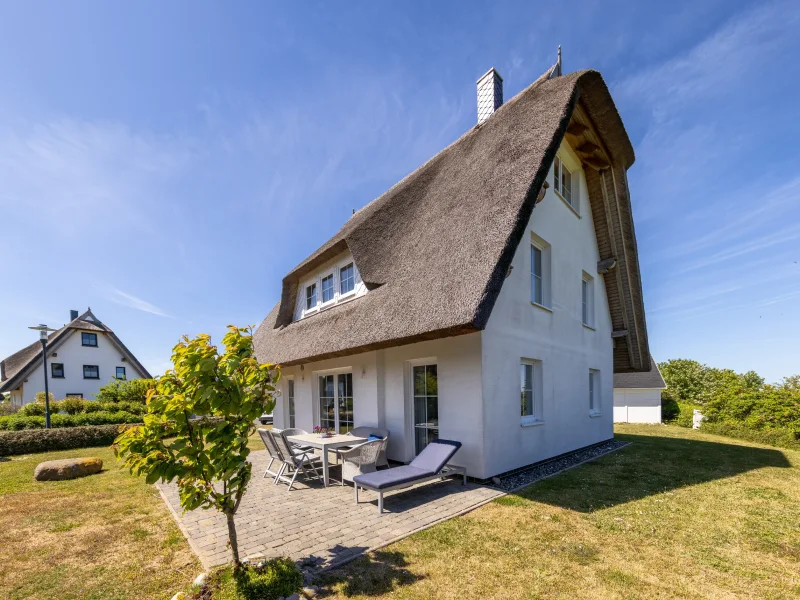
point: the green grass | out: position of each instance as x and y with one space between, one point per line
678 514
106 536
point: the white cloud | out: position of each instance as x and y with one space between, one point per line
117 296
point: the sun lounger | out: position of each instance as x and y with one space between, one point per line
430 464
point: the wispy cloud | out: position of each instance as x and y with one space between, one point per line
117 296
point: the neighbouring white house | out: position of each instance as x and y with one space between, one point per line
82 356
489 297
637 396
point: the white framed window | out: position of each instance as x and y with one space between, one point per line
540 272
290 412
565 183
328 289
347 279
530 379
587 300
335 282
311 296
594 392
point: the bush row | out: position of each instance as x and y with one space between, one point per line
18 423
48 440
780 437
76 406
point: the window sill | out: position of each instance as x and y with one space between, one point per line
565 201
529 422
56 377
542 306
594 414
89 345
589 327
91 378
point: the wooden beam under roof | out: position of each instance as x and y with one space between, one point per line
588 148
575 128
597 163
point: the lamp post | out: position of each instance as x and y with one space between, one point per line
43 329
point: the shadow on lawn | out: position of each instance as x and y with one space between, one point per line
651 465
373 574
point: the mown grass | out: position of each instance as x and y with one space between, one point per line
678 514
107 536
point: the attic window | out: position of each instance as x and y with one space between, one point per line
562 177
89 339
311 296
347 279
327 288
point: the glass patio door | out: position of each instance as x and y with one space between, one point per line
426 406
336 402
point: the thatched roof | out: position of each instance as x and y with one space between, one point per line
16 367
646 379
433 251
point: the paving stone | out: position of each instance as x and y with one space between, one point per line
315 521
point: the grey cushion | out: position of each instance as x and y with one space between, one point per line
435 455
389 477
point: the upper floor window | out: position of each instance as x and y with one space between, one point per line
594 392
311 296
57 370
120 374
75 395
89 339
327 288
336 281
540 271
91 372
587 300
565 183
347 279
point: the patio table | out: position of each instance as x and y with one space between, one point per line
326 444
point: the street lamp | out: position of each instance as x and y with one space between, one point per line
43 329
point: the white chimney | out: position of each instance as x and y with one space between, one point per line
490 94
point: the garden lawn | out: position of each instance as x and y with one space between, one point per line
108 536
678 514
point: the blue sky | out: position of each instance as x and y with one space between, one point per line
167 163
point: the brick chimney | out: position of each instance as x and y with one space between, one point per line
490 94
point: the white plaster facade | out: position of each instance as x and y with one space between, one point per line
73 355
637 405
479 374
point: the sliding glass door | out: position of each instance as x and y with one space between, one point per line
336 402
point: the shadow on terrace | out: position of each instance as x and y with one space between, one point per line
650 465
373 574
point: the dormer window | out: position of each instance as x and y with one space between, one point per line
347 279
311 296
327 289
334 282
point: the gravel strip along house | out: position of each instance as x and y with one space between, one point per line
489 297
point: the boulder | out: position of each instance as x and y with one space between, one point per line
69 468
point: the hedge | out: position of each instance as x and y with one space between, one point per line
18 423
30 441
783 438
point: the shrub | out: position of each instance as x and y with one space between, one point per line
782 438
677 413
6 407
48 440
39 397
73 406
17 423
92 407
34 409
134 390
273 579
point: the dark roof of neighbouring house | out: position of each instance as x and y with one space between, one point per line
645 379
14 368
434 250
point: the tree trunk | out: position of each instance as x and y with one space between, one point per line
232 538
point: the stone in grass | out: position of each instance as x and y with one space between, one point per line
68 468
201 579
310 591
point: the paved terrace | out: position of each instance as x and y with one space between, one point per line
323 525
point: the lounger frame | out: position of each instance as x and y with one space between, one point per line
445 472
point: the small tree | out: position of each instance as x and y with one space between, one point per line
199 417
